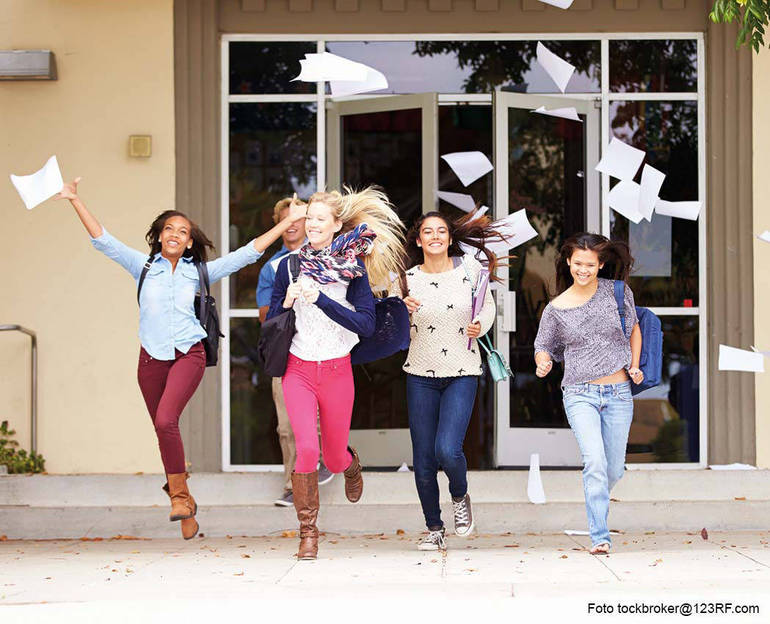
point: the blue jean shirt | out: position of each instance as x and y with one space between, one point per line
167 318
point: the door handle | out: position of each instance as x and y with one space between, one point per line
509 310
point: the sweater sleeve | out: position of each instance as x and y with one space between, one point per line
280 285
548 339
361 320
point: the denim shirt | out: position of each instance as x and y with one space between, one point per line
167 318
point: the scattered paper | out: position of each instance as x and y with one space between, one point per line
562 4
624 199
535 491
403 468
620 160
468 166
480 212
460 200
326 66
35 188
514 230
556 67
683 209
764 236
732 467
374 81
652 180
732 359
564 113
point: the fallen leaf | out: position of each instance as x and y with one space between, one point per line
3 538
649 532
511 546
704 534
740 498
657 561
91 539
400 531
245 556
129 538
563 557
288 534
471 570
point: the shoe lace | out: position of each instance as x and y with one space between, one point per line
461 512
435 537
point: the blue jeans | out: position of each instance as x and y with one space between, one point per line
600 416
439 412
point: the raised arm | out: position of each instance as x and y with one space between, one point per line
70 191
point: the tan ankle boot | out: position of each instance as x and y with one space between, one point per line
183 505
354 482
305 488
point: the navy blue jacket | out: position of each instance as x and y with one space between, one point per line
360 321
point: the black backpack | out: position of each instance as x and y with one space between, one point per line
277 333
205 310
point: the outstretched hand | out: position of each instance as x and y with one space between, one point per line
69 190
297 209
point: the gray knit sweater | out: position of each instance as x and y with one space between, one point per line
588 338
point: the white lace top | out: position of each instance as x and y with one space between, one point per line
319 338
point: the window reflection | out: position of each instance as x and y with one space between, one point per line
654 65
268 67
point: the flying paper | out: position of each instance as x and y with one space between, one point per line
535 491
460 200
35 188
683 210
652 180
326 66
556 67
764 236
624 199
374 81
620 160
564 113
562 4
468 166
481 211
514 230
732 359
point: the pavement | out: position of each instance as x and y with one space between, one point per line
383 577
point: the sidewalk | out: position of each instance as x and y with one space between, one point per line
221 579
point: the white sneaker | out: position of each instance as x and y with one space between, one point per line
463 516
434 540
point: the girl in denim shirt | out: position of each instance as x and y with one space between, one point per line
582 328
171 358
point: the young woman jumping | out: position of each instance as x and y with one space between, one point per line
171 358
334 305
582 328
442 373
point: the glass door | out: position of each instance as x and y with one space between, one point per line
390 141
544 164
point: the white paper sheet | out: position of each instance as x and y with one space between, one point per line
35 188
516 230
564 113
403 468
652 180
732 359
556 67
326 66
480 212
535 491
462 201
562 4
468 166
764 236
374 81
624 199
682 210
620 160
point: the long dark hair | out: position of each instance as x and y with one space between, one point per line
471 232
200 241
614 255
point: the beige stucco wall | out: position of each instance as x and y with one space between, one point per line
115 78
761 142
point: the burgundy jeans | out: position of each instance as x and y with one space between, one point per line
167 386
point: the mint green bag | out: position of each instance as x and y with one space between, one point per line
498 367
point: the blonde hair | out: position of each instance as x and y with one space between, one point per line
370 206
281 204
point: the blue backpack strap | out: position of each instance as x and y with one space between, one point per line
620 296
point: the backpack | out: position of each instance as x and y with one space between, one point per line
391 332
651 359
205 310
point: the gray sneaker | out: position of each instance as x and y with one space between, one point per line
434 540
463 515
324 474
287 500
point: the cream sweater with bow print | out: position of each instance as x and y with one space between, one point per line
439 346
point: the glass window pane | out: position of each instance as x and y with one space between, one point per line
272 155
665 250
667 417
268 67
657 66
473 66
253 438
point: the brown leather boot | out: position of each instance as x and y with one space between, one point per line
305 488
354 483
183 505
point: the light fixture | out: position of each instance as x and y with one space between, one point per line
27 65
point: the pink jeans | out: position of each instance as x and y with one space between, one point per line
322 390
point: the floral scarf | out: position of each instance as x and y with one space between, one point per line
337 262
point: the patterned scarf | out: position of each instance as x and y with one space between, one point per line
337 262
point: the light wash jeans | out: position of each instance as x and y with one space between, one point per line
600 416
